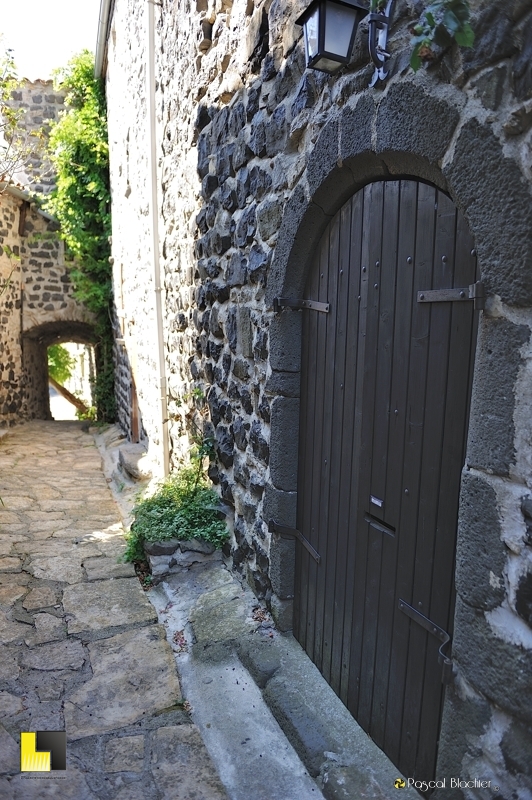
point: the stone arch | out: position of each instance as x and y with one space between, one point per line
409 132
421 131
412 131
35 342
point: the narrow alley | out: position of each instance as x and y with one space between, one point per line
81 649
192 696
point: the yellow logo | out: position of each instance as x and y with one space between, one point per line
399 783
42 751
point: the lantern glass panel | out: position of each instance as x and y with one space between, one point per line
339 24
312 28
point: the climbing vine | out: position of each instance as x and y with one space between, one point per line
79 151
441 23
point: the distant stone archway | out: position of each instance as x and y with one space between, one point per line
35 343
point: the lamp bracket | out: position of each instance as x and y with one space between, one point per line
379 25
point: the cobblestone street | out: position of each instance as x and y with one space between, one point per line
81 648
84 649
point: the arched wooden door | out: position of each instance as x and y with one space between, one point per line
385 389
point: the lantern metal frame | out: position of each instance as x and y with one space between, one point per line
340 61
379 26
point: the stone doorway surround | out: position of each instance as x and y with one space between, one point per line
417 130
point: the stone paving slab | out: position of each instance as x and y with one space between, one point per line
79 647
106 604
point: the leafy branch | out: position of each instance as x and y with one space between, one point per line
441 23
79 151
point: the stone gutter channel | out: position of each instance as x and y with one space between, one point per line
272 726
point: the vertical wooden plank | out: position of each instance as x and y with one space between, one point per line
358 284
350 264
338 525
451 456
331 389
423 684
406 535
366 588
396 442
316 535
304 566
382 455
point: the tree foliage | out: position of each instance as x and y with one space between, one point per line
441 23
79 151
60 363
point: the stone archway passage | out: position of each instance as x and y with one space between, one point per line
385 388
35 343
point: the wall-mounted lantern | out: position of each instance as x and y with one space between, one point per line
330 26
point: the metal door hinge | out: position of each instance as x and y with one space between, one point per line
288 533
473 292
286 302
435 630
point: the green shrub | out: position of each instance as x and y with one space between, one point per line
184 507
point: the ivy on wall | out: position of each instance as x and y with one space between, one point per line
441 23
79 151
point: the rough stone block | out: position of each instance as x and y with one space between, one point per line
282 566
165 548
324 156
269 215
301 228
480 554
280 506
427 133
355 128
284 443
464 719
500 670
282 613
132 459
516 748
494 39
497 204
285 341
283 383
491 429
244 332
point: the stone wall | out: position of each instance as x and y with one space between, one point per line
38 304
42 105
11 393
255 155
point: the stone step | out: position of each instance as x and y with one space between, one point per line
269 720
248 747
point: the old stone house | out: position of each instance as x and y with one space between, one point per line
242 180
37 306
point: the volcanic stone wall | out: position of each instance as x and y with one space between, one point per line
11 391
42 105
254 156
